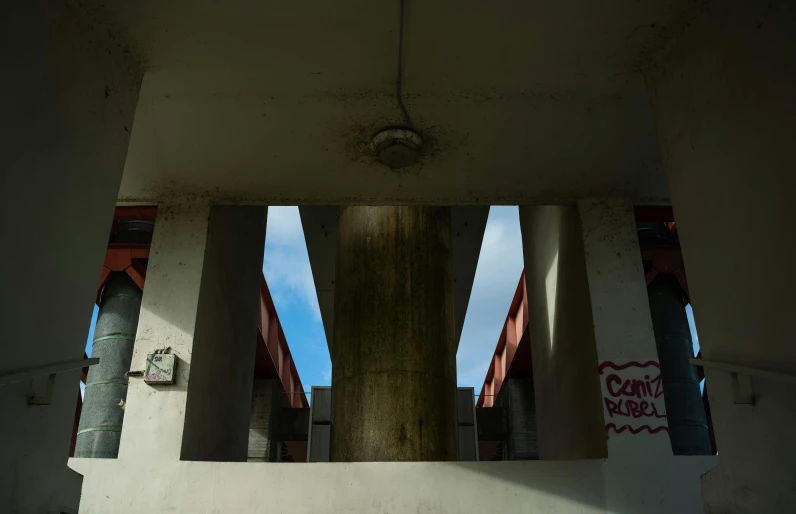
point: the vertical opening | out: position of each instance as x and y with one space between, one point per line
291 337
495 338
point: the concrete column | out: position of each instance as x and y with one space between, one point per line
394 355
566 385
218 407
722 97
201 301
155 415
264 422
67 118
622 323
688 425
629 372
101 415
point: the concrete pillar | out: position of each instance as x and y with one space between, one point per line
68 116
629 372
264 423
394 355
688 425
722 97
567 388
101 415
218 407
201 301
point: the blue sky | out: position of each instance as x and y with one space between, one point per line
287 270
289 276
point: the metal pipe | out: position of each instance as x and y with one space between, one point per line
99 431
688 426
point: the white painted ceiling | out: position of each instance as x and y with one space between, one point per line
275 101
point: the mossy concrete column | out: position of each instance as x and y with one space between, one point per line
394 354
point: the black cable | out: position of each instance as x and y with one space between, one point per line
400 76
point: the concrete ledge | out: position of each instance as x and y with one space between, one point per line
126 485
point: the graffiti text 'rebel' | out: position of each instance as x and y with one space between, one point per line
633 397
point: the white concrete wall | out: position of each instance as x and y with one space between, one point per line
67 99
723 101
565 487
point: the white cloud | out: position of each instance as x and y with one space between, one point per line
287 270
286 265
327 375
499 267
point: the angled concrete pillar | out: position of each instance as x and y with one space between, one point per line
722 97
67 118
201 302
566 385
394 372
627 364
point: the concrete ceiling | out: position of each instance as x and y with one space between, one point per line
276 102
320 233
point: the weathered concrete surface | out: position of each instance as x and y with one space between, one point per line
496 132
528 487
567 389
155 415
723 102
394 373
67 99
200 301
634 481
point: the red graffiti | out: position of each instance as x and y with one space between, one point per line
649 387
636 430
633 393
631 408
620 367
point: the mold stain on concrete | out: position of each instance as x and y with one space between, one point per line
438 142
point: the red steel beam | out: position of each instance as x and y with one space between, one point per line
136 212
510 336
653 214
273 353
125 257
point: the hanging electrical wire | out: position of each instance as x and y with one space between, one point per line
400 75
